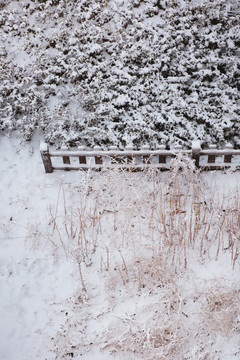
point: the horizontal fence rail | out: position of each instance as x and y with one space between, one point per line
81 159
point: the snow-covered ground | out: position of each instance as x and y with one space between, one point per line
32 284
139 297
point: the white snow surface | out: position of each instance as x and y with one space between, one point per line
31 283
44 312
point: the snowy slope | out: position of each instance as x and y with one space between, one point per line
129 300
117 265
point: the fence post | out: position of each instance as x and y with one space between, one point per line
196 148
46 158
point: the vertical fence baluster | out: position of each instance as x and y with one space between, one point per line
162 158
114 158
46 158
129 157
146 158
177 149
98 159
196 148
82 158
228 157
212 157
66 159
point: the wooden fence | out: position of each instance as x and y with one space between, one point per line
206 159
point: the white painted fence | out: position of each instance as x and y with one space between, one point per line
81 159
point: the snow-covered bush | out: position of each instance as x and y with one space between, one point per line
136 71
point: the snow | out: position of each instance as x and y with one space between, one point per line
45 312
43 146
30 280
104 265
196 145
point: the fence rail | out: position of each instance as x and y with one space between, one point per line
206 159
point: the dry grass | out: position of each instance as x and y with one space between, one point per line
222 309
141 233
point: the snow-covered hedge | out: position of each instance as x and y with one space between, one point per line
116 72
